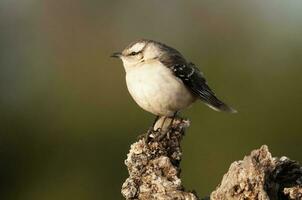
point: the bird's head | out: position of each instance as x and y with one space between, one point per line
141 51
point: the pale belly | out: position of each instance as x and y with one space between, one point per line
157 90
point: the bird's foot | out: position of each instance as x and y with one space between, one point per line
164 134
151 134
156 135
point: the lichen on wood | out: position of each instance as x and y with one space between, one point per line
259 176
154 165
154 171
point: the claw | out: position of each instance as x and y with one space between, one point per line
158 130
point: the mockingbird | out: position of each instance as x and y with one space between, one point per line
162 82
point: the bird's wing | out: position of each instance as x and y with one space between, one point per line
193 78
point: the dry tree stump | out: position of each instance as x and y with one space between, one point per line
154 171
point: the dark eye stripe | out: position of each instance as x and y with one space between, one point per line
134 53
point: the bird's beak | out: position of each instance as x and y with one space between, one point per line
116 55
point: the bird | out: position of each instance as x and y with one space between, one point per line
161 81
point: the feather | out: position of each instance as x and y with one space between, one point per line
193 78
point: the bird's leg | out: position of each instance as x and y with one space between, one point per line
174 116
171 124
159 131
162 125
167 132
151 129
155 120
172 120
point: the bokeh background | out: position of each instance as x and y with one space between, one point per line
67 119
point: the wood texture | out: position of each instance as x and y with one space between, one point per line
154 171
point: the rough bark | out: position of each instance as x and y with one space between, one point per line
154 171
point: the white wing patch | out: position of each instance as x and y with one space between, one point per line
191 73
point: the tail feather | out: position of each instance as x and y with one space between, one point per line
218 105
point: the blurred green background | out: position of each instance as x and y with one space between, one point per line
67 119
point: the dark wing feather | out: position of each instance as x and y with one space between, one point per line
194 80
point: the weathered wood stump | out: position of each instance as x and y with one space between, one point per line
154 171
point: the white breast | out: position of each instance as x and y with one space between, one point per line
157 90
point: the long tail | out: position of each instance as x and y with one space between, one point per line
218 105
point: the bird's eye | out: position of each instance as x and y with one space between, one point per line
133 53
